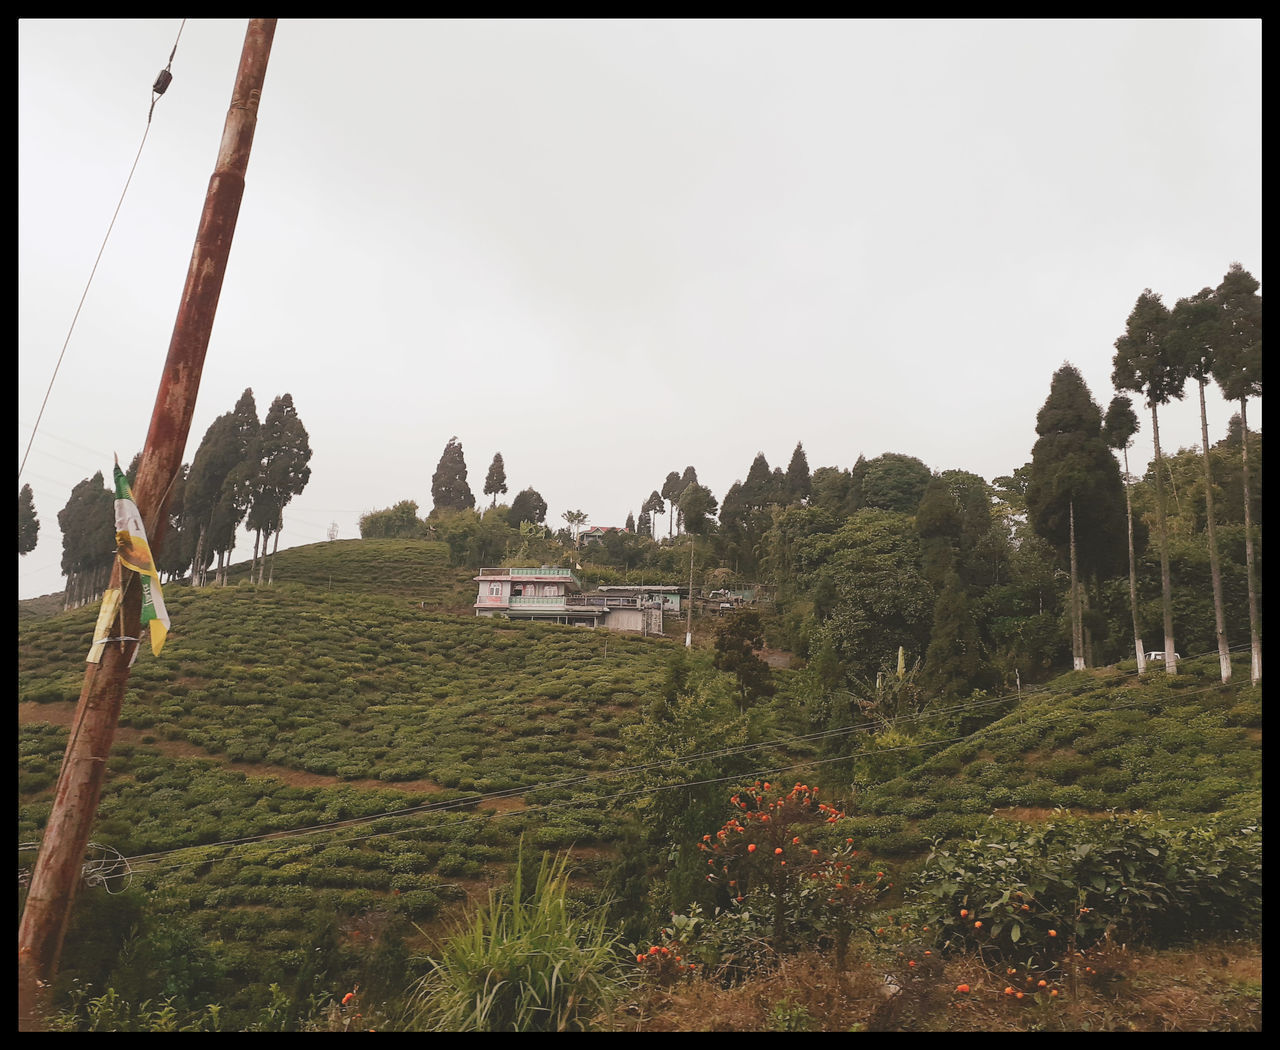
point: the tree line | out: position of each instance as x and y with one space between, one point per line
878 570
245 472
1067 560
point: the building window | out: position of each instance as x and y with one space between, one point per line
495 589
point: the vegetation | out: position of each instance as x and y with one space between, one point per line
333 789
28 521
315 817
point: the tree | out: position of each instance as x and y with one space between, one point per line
575 519
737 636
495 481
1118 429
1144 365
175 547
1074 493
449 488
399 522
631 522
1237 370
655 504
88 540
527 506
894 481
1193 334
670 493
697 509
799 484
938 524
284 450
28 522
220 484
687 479
954 664
757 490
867 589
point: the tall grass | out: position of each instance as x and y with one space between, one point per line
523 962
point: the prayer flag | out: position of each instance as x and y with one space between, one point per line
135 554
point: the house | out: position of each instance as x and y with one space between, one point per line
597 533
555 595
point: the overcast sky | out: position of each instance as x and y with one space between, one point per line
613 249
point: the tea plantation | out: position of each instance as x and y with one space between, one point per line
315 774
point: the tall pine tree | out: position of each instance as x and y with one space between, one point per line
1144 364
495 482
28 522
1238 371
449 488
1074 495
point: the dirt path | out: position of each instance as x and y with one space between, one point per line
63 714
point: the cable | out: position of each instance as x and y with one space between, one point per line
158 88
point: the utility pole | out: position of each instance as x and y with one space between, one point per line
688 631
56 873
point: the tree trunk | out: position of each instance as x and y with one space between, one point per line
1077 635
1215 568
1166 584
197 560
275 546
1255 635
1133 574
253 565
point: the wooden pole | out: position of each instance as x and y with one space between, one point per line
56 873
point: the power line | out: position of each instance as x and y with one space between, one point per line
158 88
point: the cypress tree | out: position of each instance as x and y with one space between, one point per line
28 522
449 488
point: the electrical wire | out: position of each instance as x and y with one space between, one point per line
158 88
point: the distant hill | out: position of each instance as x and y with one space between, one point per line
414 570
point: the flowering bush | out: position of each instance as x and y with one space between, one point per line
775 852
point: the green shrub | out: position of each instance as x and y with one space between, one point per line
524 962
1021 893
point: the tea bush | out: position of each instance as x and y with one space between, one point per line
1017 892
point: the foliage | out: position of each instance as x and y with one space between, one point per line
283 454
1074 476
527 506
1030 894
449 488
495 482
400 521
88 538
894 482
525 961
28 521
737 636
771 853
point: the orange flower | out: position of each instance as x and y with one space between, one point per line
778 850
1053 933
963 989
964 913
751 848
977 925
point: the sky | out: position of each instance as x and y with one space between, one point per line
610 249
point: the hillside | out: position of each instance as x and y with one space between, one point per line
315 766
